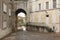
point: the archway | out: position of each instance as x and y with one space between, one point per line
20 18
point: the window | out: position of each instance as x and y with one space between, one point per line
9 12
10 0
4 20
36 0
54 3
39 7
15 0
47 5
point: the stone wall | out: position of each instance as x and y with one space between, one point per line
4 25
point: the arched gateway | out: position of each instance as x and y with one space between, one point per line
20 6
16 13
20 10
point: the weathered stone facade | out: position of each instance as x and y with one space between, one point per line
38 15
50 17
5 18
8 16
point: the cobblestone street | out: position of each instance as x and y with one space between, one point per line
32 36
10 37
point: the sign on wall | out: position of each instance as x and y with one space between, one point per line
4 7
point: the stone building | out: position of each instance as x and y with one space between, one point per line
45 14
9 10
5 17
40 15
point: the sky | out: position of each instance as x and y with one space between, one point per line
21 14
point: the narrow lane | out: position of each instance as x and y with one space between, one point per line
22 35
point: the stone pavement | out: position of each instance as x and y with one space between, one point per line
21 35
10 37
